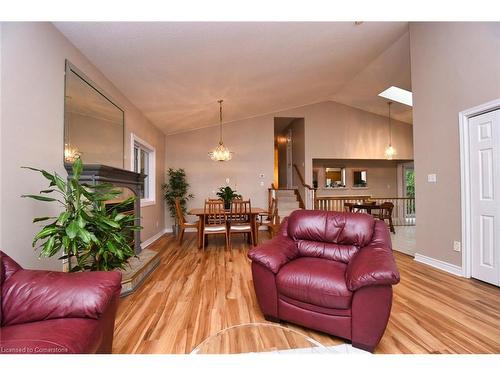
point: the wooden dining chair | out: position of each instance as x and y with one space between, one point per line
215 220
269 219
183 223
385 213
240 219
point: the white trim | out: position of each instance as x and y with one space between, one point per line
463 123
151 200
439 264
149 241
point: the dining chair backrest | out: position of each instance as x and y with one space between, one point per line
214 212
240 211
386 210
178 211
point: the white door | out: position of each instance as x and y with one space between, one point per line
484 146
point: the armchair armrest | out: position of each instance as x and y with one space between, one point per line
29 295
274 254
373 264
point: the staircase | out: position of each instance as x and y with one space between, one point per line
287 202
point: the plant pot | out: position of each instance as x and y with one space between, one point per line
227 205
175 229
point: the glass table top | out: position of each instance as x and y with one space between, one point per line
259 338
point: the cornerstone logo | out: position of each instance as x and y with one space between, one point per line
32 350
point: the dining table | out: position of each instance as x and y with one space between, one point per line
367 206
200 212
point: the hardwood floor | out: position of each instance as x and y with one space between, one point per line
194 294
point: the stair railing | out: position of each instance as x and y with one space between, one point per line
310 192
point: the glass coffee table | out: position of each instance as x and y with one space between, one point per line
259 338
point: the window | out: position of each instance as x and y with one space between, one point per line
143 161
360 178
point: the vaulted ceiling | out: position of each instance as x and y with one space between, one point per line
175 72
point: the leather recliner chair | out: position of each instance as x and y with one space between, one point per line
328 271
44 312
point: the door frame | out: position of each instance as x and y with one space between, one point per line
463 123
289 158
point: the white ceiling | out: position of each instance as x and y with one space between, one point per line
175 72
390 68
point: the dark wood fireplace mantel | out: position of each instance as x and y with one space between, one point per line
97 173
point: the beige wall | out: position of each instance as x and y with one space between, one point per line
455 66
381 177
32 111
253 145
332 130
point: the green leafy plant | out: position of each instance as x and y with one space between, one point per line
227 195
410 183
176 187
97 236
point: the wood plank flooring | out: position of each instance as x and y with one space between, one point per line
194 294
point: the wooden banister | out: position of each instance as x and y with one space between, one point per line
301 178
310 191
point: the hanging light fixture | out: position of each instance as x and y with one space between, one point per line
389 150
221 152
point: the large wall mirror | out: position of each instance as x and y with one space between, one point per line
93 123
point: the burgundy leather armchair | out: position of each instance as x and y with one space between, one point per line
56 312
329 271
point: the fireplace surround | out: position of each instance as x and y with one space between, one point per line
93 174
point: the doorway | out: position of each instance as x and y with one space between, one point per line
480 158
289 154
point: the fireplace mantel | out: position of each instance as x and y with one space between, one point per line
98 173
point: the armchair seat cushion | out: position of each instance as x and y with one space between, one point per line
315 281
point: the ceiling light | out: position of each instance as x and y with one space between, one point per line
221 152
398 95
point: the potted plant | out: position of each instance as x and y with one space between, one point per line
176 187
227 195
97 237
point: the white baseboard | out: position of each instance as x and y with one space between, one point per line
439 264
149 241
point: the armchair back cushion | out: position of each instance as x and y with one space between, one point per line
334 236
7 267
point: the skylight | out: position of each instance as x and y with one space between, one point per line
398 95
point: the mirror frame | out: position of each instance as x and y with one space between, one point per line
71 68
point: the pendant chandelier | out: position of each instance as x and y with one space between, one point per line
221 152
389 150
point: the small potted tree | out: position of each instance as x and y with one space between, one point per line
87 231
227 195
176 187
